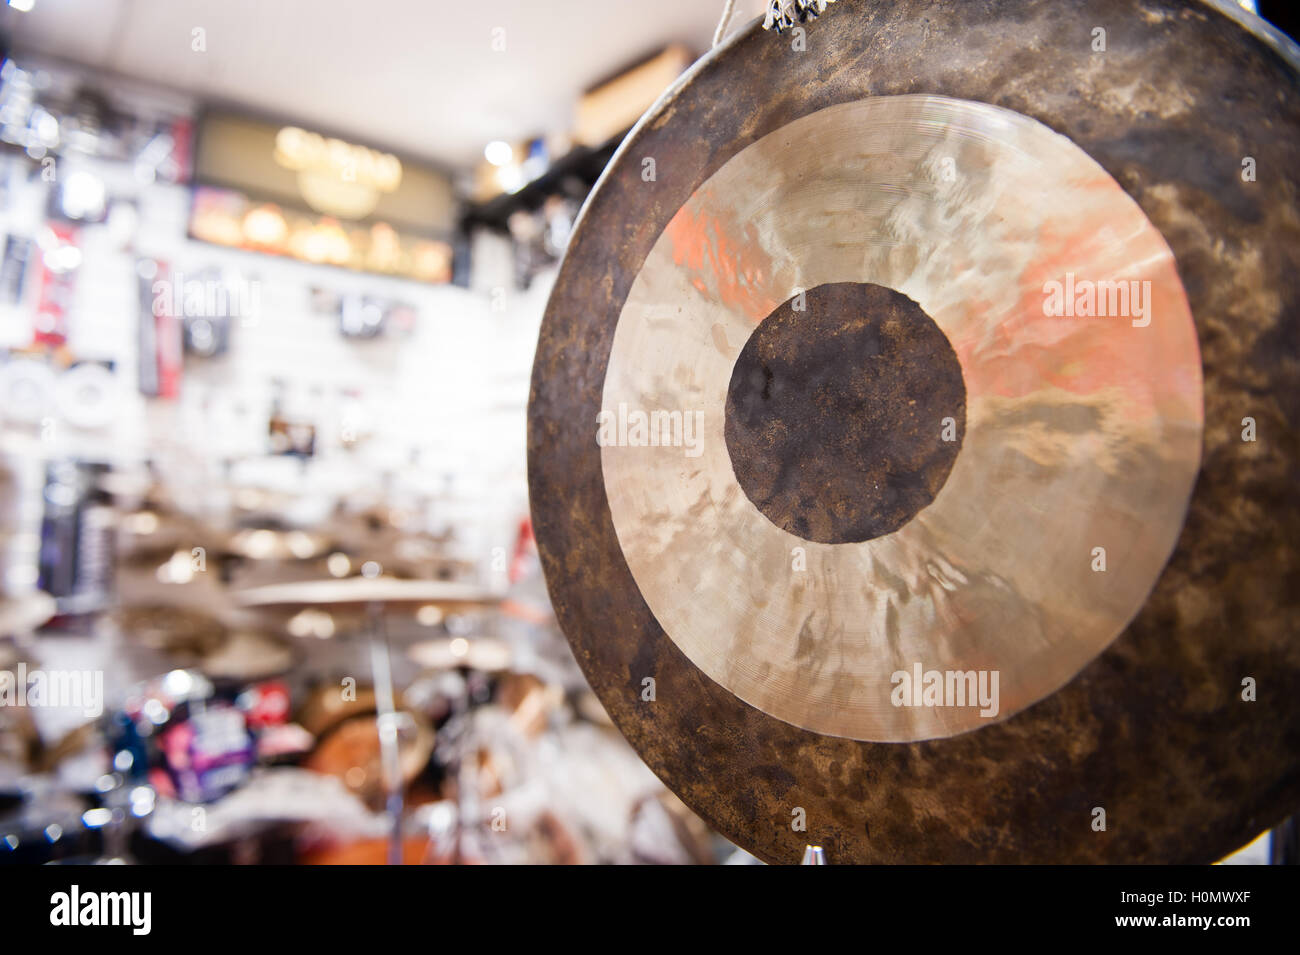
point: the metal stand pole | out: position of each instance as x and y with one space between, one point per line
814 855
381 670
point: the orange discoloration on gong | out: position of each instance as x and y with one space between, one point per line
1021 351
734 270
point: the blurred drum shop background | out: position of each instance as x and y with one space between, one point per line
268 304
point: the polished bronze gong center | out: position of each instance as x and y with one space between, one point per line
845 412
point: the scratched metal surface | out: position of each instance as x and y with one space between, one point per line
1153 729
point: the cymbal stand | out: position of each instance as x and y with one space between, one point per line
382 672
814 855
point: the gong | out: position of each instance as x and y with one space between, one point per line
910 442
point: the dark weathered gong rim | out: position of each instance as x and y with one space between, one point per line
1154 730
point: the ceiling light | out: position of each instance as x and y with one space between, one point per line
498 153
22 6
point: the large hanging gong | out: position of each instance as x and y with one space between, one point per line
911 439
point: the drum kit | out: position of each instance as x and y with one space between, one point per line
376 594
911 435
262 717
218 661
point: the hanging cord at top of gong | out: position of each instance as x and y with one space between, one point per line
781 14
722 24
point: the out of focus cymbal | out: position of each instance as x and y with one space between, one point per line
267 544
475 653
192 638
183 632
247 655
358 591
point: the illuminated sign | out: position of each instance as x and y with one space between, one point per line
336 177
294 167
227 217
